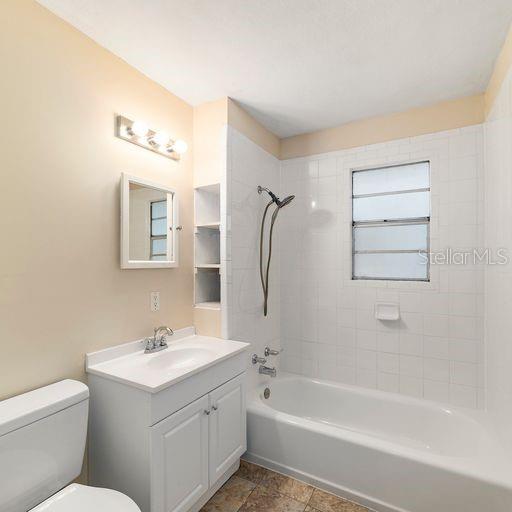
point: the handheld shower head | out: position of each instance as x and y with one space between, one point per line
264 272
285 201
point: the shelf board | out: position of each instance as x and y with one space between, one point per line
208 265
213 188
209 225
208 305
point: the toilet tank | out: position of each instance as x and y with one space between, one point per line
42 443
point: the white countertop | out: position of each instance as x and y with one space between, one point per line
187 355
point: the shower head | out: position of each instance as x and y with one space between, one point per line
276 199
285 201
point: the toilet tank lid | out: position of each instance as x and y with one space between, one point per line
21 410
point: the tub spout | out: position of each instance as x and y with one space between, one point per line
265 370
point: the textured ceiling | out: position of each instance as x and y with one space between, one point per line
302 65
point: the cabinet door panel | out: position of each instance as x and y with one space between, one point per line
227 426
179 454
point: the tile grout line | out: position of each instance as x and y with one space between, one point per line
248 496
260 484
309 501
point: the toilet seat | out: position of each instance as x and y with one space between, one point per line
81 498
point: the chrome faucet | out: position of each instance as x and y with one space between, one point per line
158 341
262 361
266 370
257 359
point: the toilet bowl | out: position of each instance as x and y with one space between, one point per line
81 498
42 443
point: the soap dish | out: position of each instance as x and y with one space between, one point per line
387 311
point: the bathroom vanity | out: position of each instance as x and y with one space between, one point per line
168 428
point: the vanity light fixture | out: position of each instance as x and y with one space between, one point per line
139 133
138 129
160 139
180 146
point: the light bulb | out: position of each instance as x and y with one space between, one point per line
161 138
139 128
179 146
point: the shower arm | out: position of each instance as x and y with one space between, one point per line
275 199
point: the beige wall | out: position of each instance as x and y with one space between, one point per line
501 67
210 120
208 322
238 118
418 121
209 148
62 292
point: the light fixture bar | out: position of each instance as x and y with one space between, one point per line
138 133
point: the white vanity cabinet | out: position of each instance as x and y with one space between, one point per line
207 437
182 437
168 444
227 433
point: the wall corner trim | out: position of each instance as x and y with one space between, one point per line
446 115
238 118
502 66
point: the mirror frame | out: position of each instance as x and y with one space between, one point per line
126 263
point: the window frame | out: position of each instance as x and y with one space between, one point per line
391 222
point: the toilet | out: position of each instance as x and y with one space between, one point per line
42 443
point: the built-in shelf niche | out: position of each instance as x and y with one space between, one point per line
207 291
207 205
207 247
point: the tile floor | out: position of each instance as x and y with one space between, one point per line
254 489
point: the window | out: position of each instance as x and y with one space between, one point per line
158 235
390 222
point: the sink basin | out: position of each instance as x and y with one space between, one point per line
180 357
185 356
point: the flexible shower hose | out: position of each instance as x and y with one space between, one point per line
264 273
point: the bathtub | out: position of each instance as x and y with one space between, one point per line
386 451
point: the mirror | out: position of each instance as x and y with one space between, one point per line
149 224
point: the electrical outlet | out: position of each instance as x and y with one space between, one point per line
155 301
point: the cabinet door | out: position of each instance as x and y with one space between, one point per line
179 458
227 426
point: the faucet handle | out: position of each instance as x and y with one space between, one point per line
149 344
257 359
270 352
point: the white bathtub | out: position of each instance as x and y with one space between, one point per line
389 452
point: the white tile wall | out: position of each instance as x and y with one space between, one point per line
247 167
327 326
498 278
